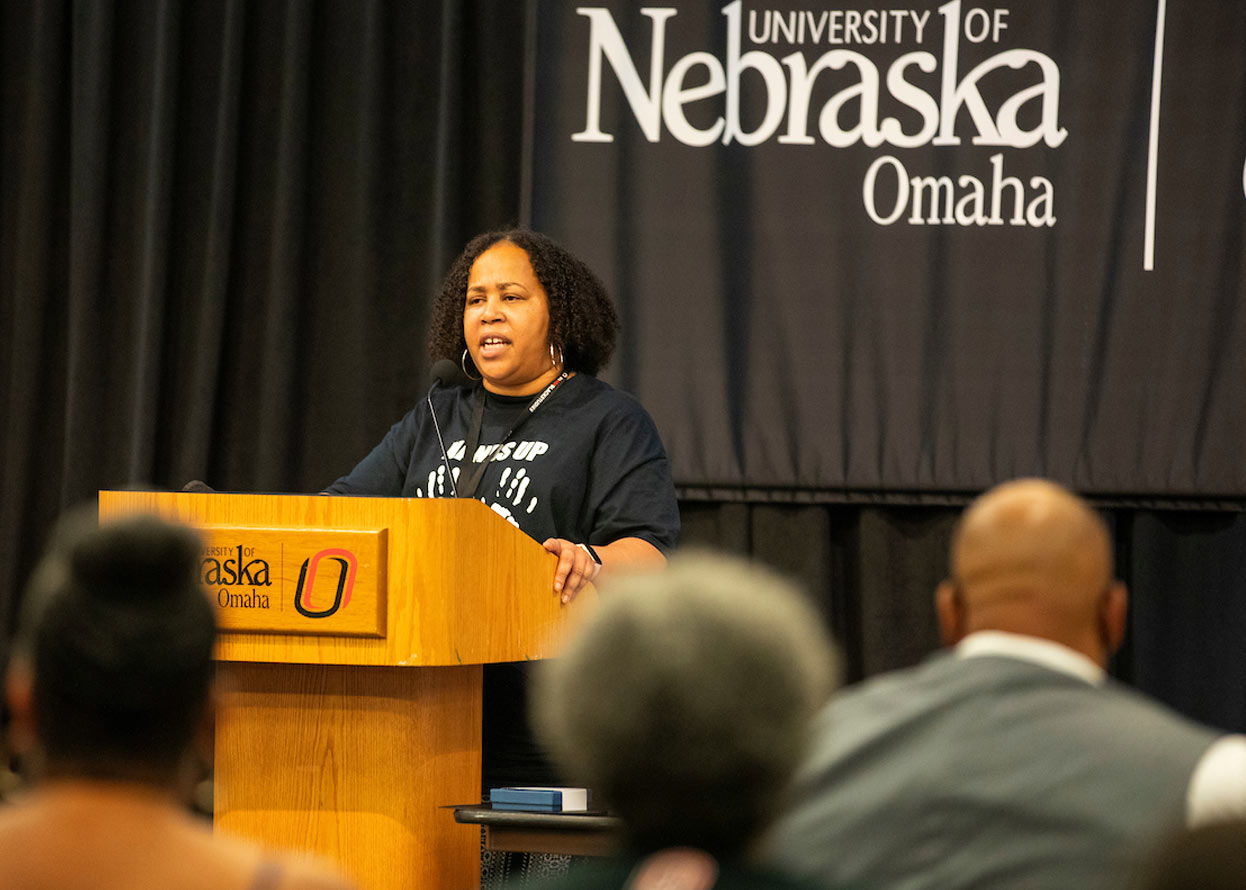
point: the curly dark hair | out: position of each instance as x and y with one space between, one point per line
582 319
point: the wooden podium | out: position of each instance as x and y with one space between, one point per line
349 667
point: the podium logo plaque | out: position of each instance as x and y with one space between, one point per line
296 580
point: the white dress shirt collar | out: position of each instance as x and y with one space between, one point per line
1038 651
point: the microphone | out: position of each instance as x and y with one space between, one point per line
445 372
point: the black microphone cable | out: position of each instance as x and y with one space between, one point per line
445 372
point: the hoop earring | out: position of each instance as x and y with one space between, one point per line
463 365
557 361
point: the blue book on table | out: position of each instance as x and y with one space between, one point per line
542 799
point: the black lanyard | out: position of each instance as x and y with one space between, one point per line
468 488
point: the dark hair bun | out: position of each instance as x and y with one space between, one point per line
135 560
120 635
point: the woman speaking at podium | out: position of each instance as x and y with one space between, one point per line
571 461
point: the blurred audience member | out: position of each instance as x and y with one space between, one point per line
1011 761
109 693
684 705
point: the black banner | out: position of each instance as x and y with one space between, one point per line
912 249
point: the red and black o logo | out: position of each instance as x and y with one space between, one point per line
347 566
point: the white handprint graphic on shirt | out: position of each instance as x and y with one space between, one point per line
437 483
512 488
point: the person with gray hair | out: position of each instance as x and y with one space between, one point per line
684 704
110 695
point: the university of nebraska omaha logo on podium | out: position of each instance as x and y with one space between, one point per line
348 566
296 580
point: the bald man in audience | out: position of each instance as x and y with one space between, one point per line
1010 760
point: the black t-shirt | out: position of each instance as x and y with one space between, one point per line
587 466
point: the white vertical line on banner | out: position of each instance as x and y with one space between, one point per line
1148 250
528 149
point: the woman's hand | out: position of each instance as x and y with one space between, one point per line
575 567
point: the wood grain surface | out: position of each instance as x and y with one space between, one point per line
354 747
464 585
356 764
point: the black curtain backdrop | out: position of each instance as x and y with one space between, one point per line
221 224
